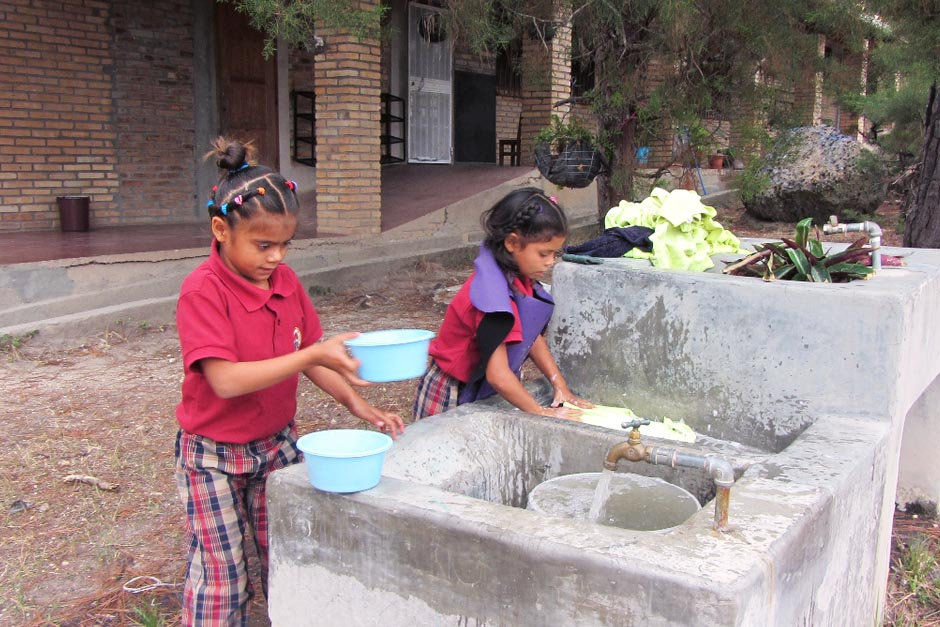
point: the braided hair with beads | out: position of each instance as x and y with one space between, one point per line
245 188
527 212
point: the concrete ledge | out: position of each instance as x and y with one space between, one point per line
63 330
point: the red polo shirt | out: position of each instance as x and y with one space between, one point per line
455 348
220 314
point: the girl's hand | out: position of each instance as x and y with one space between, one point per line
386 421
564 395
332 354
561 412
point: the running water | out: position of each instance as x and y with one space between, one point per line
601 494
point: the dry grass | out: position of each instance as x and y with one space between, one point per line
914 585
105 409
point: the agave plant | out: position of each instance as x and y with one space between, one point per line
803 259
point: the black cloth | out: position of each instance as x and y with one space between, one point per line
615 242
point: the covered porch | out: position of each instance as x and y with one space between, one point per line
409 192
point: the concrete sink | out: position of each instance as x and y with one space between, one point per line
803 388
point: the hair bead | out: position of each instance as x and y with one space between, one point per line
241 180
243 166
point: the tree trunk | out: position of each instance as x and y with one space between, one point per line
922 228
618 126
616 184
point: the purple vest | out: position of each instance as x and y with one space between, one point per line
491 293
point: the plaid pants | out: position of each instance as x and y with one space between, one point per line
222 486
437 392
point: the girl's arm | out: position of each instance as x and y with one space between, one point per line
546 363
229 379
339 388
508 385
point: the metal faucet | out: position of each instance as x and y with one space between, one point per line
632 450
874 236
718 468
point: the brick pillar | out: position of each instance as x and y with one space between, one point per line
546 79
347 88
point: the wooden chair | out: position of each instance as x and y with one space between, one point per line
511 148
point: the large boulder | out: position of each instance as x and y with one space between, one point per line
816 171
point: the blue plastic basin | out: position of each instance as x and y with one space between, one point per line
344 460
392 355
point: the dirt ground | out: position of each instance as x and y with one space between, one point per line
86 444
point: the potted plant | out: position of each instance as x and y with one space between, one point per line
730 160
697 144
566 153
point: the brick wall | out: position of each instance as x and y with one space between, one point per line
467 61
300 70
561 66
56 132
536 98
348 84
856 68
96 99
546 79
661 147
153 93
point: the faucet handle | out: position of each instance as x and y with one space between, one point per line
635 424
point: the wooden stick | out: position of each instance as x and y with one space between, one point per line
98 483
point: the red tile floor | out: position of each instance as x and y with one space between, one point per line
409 191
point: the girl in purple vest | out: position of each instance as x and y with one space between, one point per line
497 318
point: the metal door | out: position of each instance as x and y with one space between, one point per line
430 60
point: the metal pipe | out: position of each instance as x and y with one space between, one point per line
874 236
717 468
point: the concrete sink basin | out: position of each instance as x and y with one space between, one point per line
804 388
444 537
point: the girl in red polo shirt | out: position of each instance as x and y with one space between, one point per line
497 318
247 329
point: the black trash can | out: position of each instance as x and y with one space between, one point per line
73 212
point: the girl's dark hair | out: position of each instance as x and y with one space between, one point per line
527 212
244 188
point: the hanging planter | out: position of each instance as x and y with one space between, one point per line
575 165
565 154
